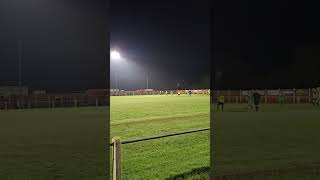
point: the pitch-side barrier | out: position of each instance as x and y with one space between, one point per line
116 144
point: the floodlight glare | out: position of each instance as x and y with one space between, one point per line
115 55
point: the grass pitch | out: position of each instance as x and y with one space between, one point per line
53 144
276 143
68 143
179 157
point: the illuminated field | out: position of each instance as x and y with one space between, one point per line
144 116
63 143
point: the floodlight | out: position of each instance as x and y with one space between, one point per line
115 55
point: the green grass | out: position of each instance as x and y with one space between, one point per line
52 144
68 143
276 143
185 156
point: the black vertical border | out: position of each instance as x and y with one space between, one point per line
212 84
107 74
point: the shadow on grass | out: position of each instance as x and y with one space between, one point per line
197 173
301 173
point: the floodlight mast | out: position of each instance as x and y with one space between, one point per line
115 56
20 54
20 63
116 80
147 82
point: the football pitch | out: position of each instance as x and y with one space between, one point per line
60 143
68 143
184 156
276 143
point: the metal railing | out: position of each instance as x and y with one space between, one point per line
116 144
162 136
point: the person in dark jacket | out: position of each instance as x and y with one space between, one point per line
257 100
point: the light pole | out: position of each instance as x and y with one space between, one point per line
116 76
20 49
147 82
115 56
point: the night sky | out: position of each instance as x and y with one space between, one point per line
65 43
167 40
269 44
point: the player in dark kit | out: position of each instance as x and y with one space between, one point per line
220 102
281 98
257 100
